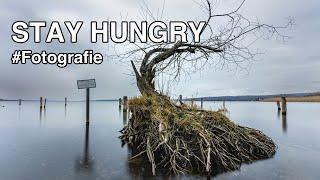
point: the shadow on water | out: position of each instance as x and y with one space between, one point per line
85 163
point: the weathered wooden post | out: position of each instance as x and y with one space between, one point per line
19 102
180 99
40 102
87 105
201 103
65 101
87 84
125 103
120 101
278 105
45 103
284 105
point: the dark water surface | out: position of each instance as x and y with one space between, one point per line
56 144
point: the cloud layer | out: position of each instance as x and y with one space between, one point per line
292 66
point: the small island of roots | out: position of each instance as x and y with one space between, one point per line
185 139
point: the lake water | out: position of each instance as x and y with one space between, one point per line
56 145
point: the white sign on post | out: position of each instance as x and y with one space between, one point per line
88 83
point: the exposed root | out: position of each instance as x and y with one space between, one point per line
184 139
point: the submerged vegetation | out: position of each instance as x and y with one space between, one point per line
184 139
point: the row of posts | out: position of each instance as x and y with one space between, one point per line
192 101
43 102
123 102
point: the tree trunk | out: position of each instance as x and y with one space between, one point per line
145 80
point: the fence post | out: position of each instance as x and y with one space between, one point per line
284 105
201 103
45 103
120 101
40 102
180 99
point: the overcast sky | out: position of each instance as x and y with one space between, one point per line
287 67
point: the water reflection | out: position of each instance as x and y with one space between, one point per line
65 112
125 118
65 150
85 163
278 114
40 116
44 114
284 123
19 115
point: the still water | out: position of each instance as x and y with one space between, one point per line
56 144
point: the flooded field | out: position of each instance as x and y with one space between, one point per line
56 144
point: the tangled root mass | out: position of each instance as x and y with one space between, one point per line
185 139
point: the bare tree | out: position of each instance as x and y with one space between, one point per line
185 138
227 45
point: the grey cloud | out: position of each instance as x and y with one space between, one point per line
285 67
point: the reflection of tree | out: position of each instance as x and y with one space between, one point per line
85 163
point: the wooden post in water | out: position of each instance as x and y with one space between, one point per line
125 103
278 105
65 101
201 103
88 105
19 102
40 102
120 101
45 103
284 105
86 84
180 99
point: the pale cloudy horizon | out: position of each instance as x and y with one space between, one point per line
285 67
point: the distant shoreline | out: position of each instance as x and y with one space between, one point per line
294 97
